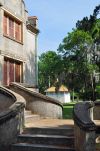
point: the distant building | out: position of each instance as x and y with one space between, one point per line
18 44
63 95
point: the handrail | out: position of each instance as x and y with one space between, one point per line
11 120
10 113
82 117
44 97
38 103
85 128
19 103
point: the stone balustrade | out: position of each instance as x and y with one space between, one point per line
84 126
38 103
11 119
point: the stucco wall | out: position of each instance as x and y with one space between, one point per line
1 29
16 6
12 47
1 69
62 97
31 64
25 51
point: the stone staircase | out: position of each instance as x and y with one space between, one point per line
30 117
43 134
45 139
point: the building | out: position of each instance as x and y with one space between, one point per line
63 95
18 44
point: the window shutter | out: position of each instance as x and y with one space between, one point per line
5 24
11 28
17 31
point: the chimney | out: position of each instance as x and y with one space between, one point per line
33 20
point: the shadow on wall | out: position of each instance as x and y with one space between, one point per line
31 70
5 102
1 74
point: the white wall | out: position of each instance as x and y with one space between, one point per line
62 97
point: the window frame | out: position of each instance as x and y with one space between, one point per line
12 32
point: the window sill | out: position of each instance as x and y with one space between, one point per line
13 39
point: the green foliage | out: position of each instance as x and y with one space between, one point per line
49 66
75 95
76 49
96 31
96 11
75 41
98 91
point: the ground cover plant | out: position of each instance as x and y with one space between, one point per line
68 110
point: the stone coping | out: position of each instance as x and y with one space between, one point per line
82 116
12 111
44 97
97 103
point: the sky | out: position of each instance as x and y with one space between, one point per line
56 18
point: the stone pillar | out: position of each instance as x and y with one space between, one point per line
84 141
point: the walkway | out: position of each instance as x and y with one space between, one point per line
53 123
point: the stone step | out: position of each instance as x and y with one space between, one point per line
47 139
50 131
39 147
31 118
27 112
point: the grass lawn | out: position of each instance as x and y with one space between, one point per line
68 110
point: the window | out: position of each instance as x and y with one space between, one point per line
12 28
17 31
12 71
5 25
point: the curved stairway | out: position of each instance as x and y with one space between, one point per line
42 134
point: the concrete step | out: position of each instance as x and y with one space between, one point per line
50 131
47 139
38 147
27 112
31 118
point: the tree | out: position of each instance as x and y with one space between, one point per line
92 26
50 67
86 23
76 51
96 11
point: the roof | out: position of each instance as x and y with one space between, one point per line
62 88
32 17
